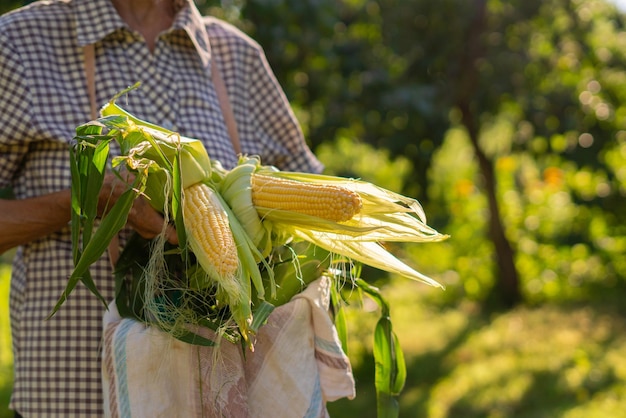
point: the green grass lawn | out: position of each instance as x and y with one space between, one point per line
549 361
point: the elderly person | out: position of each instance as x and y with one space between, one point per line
169 47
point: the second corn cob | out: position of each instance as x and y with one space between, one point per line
330 202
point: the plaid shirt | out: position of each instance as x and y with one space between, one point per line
43 90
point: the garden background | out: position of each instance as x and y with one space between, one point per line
507 120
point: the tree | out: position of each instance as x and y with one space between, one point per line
391 72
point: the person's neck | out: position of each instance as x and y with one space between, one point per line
148 17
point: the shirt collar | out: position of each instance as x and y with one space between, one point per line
95 19
191 21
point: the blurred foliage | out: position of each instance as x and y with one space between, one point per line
7 5
530 362
547 92
6 355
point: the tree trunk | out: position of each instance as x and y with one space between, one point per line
506 291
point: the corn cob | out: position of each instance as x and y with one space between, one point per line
210 237
330 202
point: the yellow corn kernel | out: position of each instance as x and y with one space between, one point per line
210 236
330 202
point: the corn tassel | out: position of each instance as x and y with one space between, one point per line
330 202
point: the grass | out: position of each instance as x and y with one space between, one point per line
6 357
533 362
548 361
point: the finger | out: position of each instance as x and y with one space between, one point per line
149 223
171 235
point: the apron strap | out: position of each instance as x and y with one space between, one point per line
227 110
90 75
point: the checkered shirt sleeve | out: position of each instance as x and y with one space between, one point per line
14 112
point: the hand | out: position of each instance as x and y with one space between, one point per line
142 217
148 222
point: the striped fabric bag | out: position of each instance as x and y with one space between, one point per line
296 367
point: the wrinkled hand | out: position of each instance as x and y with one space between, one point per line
142 217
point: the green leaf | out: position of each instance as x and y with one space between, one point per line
294 266
390 367
75 199
390 373
341 323
110 225
91 185
177 203
388 377
260 315
129 291
375 294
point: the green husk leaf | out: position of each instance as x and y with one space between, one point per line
236 190
92 184
260 315
177 203
129 294
110 225
165 146
390 371
368 253
247 251
112 109
294 266
340 320
76 194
